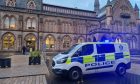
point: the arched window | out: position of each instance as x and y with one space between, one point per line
80 40
8 41
34 23
11 3
128 41
10 22
13 23
66 41
31 23
50 42
31 5
6 22
30 42
134 42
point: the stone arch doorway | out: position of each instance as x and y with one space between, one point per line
8 41
30 40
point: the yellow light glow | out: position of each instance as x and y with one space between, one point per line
33 39
12 26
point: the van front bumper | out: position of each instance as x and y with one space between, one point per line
60 71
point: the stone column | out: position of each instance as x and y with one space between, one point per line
41 41
19 41
59 43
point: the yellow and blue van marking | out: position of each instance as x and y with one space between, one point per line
98 61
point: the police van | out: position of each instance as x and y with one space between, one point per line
92 57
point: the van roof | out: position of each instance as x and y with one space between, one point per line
101 43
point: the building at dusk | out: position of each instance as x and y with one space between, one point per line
42 26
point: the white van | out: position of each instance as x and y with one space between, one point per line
92 57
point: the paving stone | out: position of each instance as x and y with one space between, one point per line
24 80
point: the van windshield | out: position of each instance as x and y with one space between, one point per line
69 50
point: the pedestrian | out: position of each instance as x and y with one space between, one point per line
24 50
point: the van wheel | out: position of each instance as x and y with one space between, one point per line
121 70
75 73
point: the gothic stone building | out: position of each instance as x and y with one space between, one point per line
41 26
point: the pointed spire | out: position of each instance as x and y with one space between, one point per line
108 3
136 7
96 5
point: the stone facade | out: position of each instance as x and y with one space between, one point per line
36 25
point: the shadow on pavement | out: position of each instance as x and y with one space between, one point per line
102 78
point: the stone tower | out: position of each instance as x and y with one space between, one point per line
136 9
109 12
96 6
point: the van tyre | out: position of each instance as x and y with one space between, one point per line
75 73
121 70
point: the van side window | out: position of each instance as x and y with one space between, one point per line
85 50
105 48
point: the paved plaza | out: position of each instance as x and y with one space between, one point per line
20 70
22 73
40 79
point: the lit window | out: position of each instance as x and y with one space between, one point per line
8 41
50 41
80 40
12 23
30 42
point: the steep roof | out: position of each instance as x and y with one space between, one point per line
102 10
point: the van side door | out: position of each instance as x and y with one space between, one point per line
85 56
105 57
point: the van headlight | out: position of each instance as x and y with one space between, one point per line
61 61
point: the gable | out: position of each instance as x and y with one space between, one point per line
123 9
122 3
